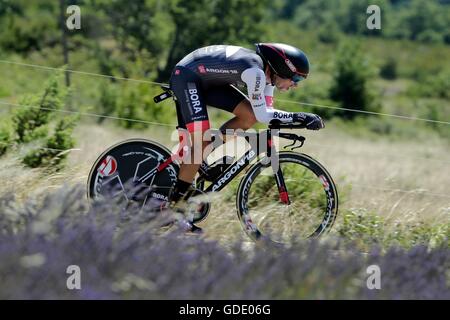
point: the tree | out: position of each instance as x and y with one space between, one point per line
350 81
207 22
140 27
30 123
26 28
56 147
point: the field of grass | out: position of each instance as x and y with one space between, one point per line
382 179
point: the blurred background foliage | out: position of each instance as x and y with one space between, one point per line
402 68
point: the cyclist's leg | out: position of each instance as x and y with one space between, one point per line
193 118
230 99
244 117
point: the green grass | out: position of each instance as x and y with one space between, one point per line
366 229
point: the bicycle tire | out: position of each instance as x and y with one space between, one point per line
248 220
164 181
127 159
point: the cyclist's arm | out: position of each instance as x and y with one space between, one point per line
255 79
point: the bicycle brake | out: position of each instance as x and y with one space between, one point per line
301 140
296 139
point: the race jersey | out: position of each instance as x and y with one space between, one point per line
239 67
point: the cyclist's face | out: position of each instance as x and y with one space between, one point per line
284 84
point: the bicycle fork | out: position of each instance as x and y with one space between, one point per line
278 173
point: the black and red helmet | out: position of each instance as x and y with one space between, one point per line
286 61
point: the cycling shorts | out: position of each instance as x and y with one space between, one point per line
192 98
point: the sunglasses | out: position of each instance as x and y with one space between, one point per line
296 78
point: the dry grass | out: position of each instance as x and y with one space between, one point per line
403 180
370 175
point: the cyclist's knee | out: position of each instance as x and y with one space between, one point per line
247 121
251 120
245 114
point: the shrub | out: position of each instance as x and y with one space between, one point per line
30 123
137 103
25 34
329 33
430 36
5 139
435 111
130 107
350 81
389 69
108 101
433 86
56 147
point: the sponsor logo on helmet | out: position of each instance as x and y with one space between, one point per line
290 65
108 166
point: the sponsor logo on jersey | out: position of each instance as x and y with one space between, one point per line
108 166
258 83
279 115
177 72
193 97
201 69
204 166
256 96
199 118
225 71
159 196
290 65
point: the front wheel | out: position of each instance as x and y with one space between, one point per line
311 208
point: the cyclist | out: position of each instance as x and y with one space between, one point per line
213 75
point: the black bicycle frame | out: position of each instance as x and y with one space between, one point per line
272 155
